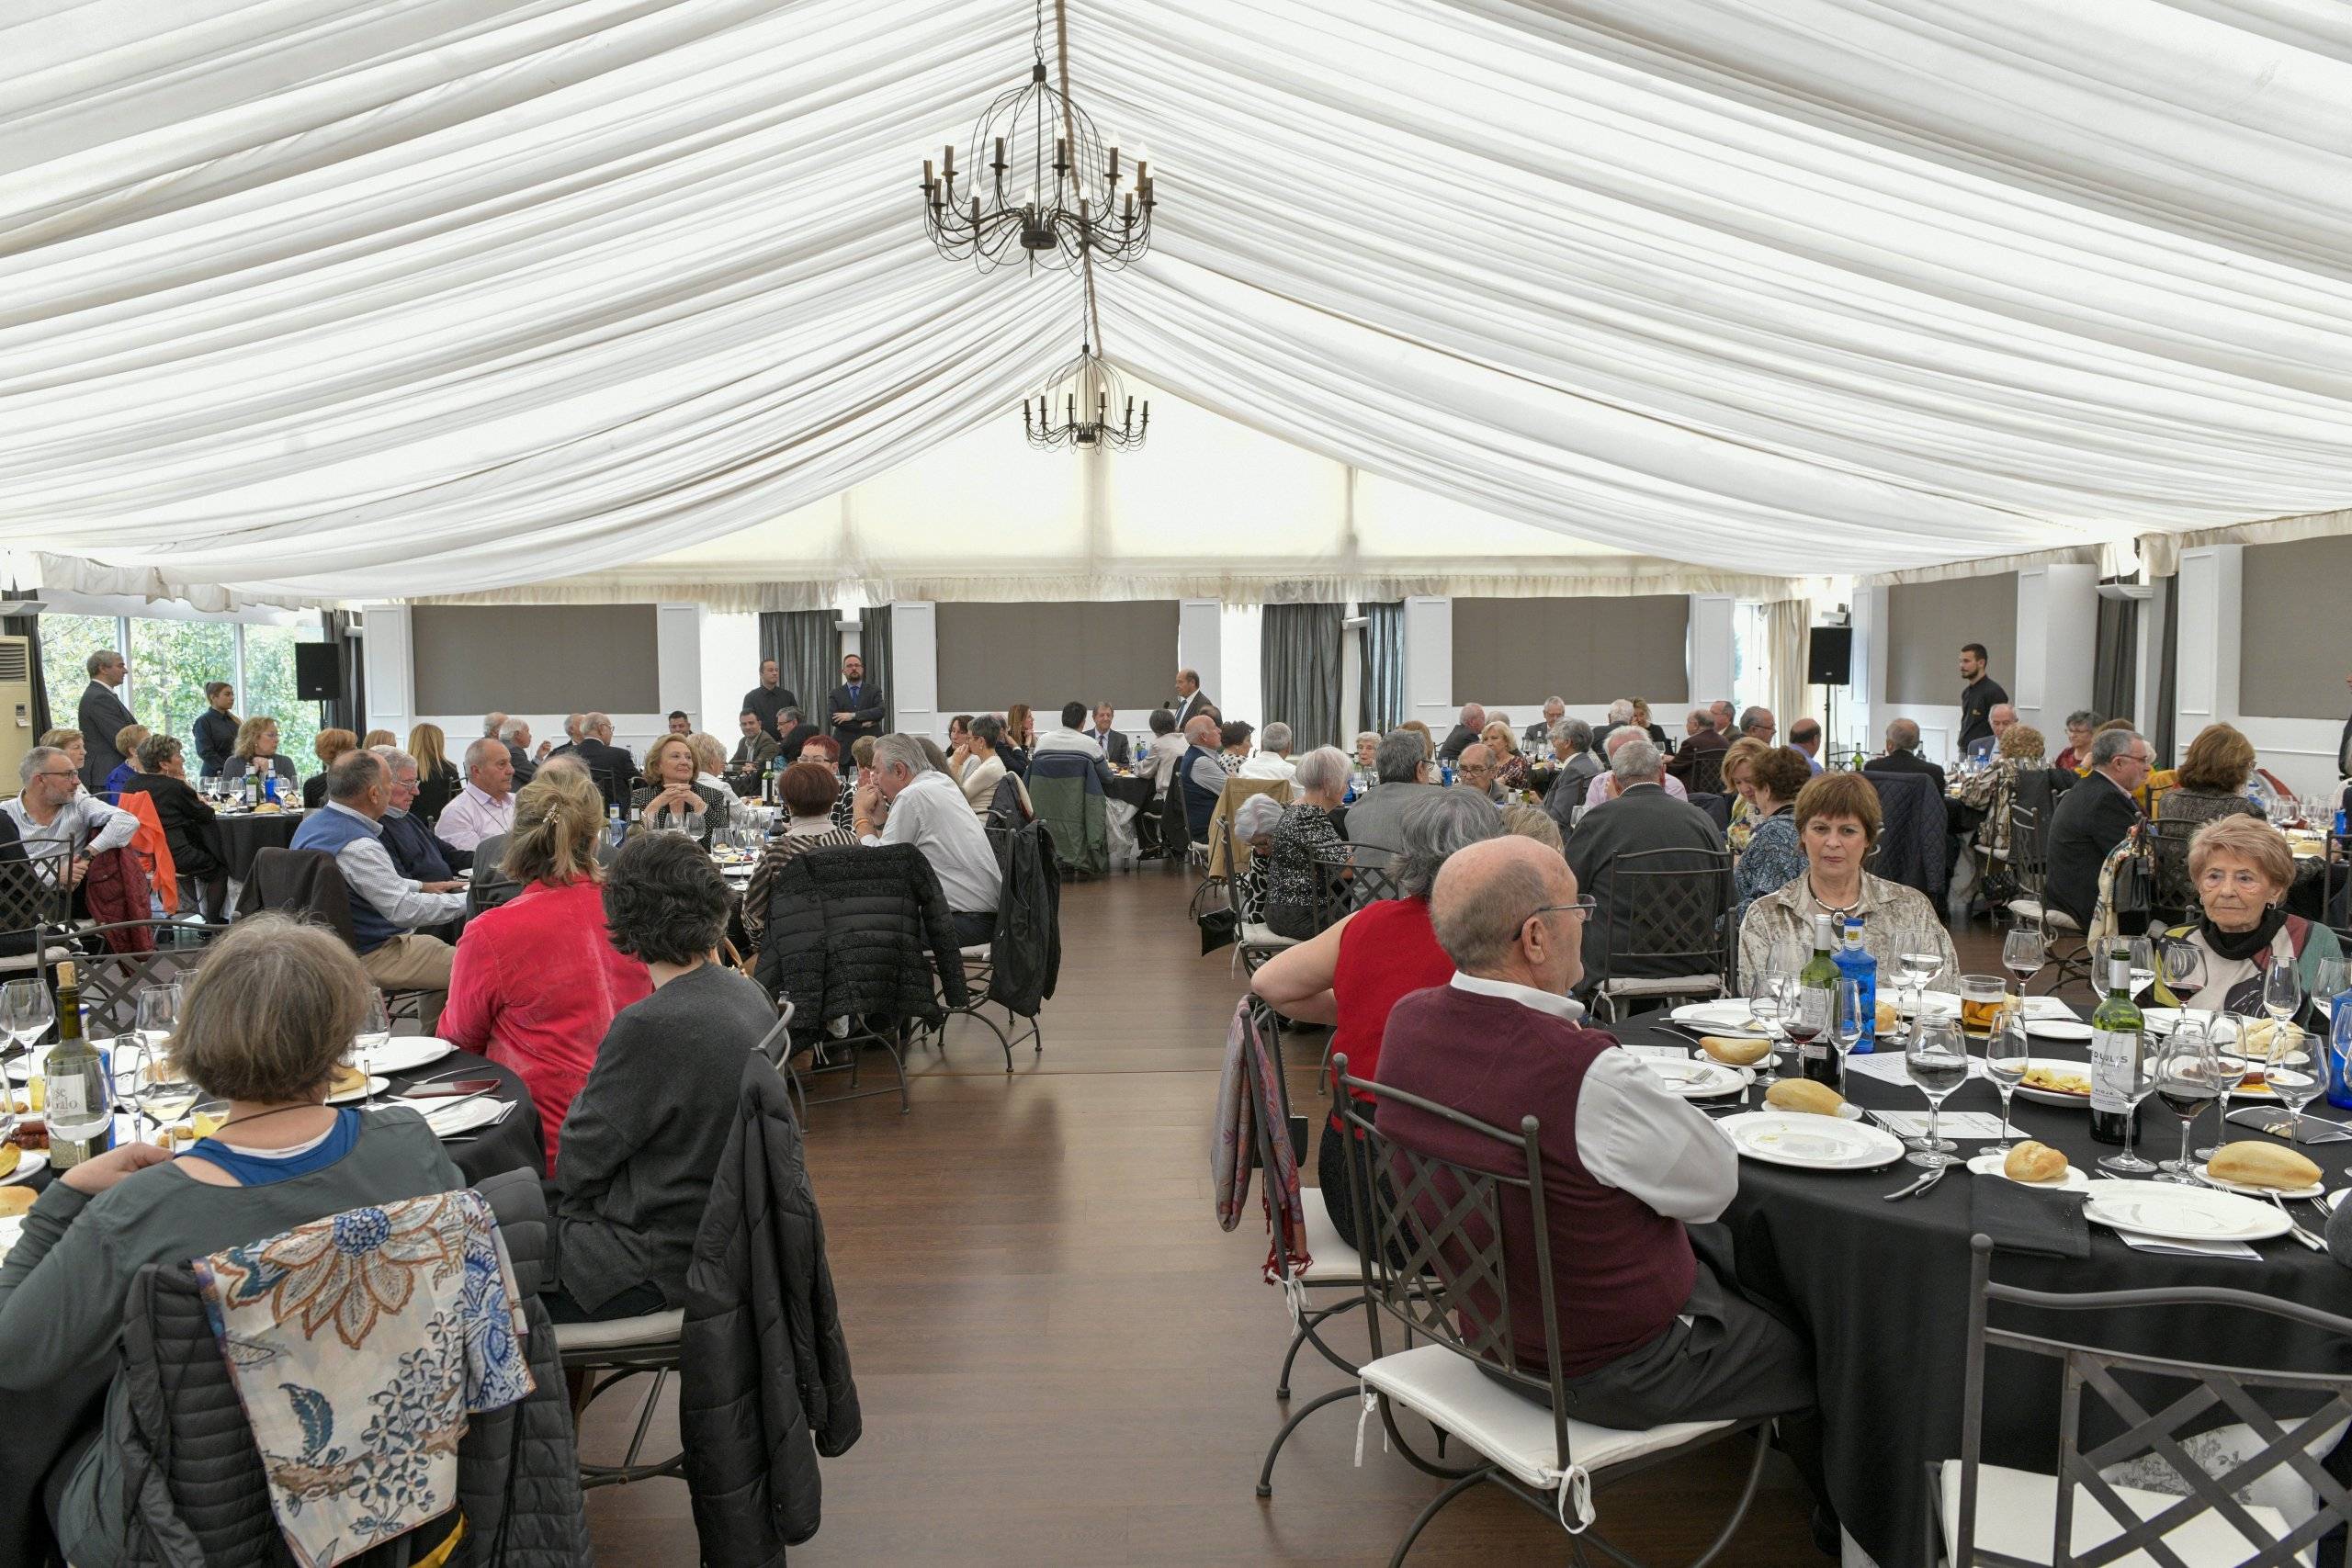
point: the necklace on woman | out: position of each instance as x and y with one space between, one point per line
1826 907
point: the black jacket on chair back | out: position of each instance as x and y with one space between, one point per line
860 930
764 1383
1025 955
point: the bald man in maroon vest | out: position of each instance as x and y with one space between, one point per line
1652 1328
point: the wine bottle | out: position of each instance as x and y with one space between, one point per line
2114 1048
1816 1009
1855 964
81 1097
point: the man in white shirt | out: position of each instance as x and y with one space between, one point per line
54 816
1273 758
485 803
1068 738
387 908
927 810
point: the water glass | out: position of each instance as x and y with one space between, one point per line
2282 994
2144 963
2186 1082
2223 1037
2007 1054
375 1032
27 1010
2329 981
2139 1081
1849 1020
1938 1064
1914 970
1764 994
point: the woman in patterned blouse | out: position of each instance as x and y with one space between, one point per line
1837 819
806 791
1304 831
1772 779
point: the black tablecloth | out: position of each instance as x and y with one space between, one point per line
242 838
514 1144
1135 791
1882 1291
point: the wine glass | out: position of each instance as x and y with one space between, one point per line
2183 966
2144 963
2007 1055
375 1032
1914 970
26 1010
2022 952
1938 1064
2186 1082
1847 1020
1765 995
2137 1078
159 1091
2224 1041
2282 993
2329 981
2294 1084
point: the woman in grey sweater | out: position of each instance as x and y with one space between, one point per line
274 1006
647 1128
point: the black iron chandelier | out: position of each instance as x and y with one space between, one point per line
1048 190
1087 406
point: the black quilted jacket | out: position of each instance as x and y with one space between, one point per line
764 1375
201 1501
1027 954
860 932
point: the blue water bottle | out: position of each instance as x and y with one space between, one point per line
1855 963
2339 1041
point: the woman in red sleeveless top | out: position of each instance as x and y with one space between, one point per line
1354 972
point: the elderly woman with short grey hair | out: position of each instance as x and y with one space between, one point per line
1306 830
1350 974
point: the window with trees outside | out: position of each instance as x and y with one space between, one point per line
170 662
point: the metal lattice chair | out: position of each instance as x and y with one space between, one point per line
1437 1261
2172 897
35 903
2087 1514
110 982
1347 878
1706 774
1663 911
2063 942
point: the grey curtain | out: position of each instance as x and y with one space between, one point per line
347 709
2160 733
29 627
2114 669
805 649
874 647
1299 660
1380 674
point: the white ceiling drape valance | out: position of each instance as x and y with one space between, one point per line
304 301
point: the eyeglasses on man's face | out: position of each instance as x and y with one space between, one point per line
1582 908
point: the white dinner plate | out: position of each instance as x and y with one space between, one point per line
402 1054
1810 1143
1990 1165
1946 1003
1695 1078
2313 1190
1731 1019
449 1121
374 1086
2051 1096
2182 1213
2059 1029
28 1162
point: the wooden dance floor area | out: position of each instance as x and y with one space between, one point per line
1060 1357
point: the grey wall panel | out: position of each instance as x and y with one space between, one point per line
536 658
991 656
1927 623
2291 639
1583 650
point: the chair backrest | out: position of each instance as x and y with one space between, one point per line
1437 1258
2028 857
1349 876
33 894
2168 847
111 981
1070 803
1175 827
1665 907
1008 805
306 884
1277 1092
2206 1391
1706 774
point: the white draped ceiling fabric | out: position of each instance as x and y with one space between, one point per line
313 300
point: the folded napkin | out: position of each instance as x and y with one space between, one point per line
1971 1124
2026 1219
1673 1052
2189 1248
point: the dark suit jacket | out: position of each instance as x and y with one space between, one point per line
2087 824
1706 742
611 767
869 709
1458 740
101 717
1644 818
1115 747
526 770
1190 706
1906 762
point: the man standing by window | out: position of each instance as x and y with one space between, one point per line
103 716
770 696
857 705
1978 697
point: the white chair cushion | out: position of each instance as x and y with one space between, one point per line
1263 936
2017 1510
979 951
1515 1433
2032 910
27 959
1336 1262
622 1332
1661 985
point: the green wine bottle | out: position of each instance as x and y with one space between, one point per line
2116 1042
1817 1010
81 1098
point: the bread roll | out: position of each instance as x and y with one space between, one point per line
2250 1164
1889 1015
15 1200
1805 1096
1738 1052
2034 1162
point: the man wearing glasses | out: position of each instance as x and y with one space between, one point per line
56 818
1649 1316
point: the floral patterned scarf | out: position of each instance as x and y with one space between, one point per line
359 1344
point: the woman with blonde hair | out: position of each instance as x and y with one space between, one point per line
673 798
1739 759
711 773
1428 742
69 741
436 777
1020 735
1502 744
535 982
256 751
376 738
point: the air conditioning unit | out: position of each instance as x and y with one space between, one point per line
17 735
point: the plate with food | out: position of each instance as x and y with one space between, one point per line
1811 1143
350 1084
18 1162
1803 1096
1697 1079
2182 1213
2258 1170
2049 1081
2031 1165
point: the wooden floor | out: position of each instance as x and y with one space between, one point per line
1060 1357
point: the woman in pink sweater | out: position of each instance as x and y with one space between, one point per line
536 981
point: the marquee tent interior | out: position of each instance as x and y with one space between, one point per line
311 302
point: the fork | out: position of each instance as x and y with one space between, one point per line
2295 1228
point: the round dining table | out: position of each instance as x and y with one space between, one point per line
1881 1292
244 834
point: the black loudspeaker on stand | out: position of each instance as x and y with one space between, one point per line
318 672
1830 662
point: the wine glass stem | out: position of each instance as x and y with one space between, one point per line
2004 1113
1935 1111
2186 1124
2130 1126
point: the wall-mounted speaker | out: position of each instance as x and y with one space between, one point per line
318 672
1829 658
